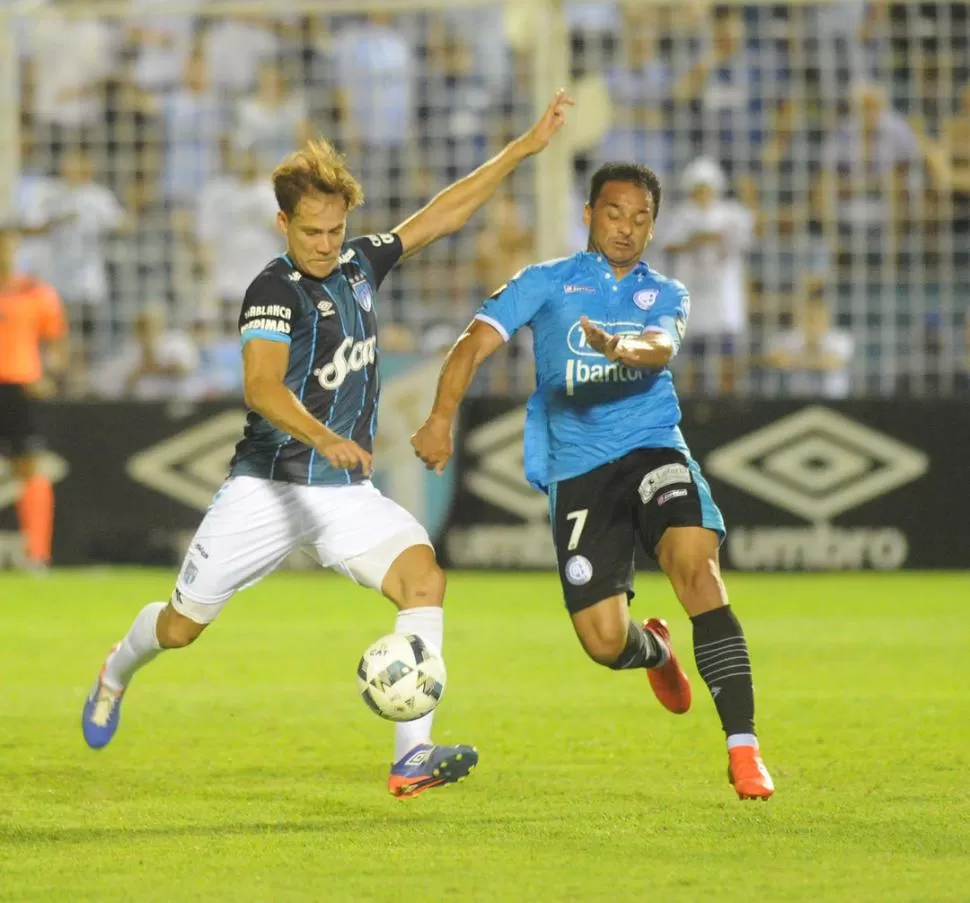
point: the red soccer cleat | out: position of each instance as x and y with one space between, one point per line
748 775
669 682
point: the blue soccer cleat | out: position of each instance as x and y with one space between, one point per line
428 766
102 713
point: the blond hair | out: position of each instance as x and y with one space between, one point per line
317 166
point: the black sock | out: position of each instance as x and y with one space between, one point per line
721 654
641 650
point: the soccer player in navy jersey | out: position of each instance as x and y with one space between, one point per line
602 439
300 475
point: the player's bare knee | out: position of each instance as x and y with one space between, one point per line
175 631
688 573
696 579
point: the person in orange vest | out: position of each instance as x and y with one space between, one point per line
32 324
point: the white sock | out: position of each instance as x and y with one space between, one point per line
426 622
742 740
137 649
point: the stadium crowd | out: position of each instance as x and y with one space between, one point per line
815 158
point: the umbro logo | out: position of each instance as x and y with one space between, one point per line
190 465
419 758
326 308
817 464
294 276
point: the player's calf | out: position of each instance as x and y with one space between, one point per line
157 627
688 557
611 639
175 631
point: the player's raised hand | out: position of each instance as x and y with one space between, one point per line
432 444
346 454
551 122
599 339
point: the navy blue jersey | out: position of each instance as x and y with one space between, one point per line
331 327
587 411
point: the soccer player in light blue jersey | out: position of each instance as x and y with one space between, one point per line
602 439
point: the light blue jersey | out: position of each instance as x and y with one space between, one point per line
587 411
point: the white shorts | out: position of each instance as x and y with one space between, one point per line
253 524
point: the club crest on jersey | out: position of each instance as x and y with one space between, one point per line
363 294
646 299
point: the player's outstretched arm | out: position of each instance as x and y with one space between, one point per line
264 368
449 210
433 442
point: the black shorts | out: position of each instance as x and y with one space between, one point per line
18 436
598 516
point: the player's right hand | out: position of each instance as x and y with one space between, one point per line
432 444
346 454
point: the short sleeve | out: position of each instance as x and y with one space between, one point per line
51 324
515 303
382 251
110 214
740 230
670 313
842 345
269 310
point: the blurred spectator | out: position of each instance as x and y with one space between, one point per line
933 367
132 135
154 363
235 47
236 227
593 32
34 201
719 92
87 213
274 121
504 244
155 258
706 237
813 359
790 243
640 84
868 169
69 58
375 76
195 119
844 42
483 30
948 163
453 106
219 372
162 45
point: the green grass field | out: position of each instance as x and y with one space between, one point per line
246 768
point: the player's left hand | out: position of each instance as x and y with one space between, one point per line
554 118
432 444
600 340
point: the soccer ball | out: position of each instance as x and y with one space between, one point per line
401 677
